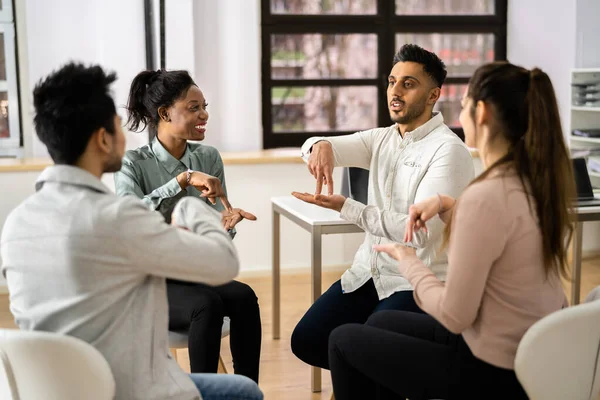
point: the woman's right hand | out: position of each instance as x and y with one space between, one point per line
421 212
210 187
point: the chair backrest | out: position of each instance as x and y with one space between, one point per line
50 366
179 339
559 356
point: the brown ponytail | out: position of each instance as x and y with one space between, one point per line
527 115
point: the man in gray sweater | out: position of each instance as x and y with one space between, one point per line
83 262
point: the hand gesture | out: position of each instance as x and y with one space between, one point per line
210 187
233 217
320 165
333 202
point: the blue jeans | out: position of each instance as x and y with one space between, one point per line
226 387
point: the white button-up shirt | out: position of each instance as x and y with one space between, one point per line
403 171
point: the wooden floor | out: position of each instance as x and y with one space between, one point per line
282 375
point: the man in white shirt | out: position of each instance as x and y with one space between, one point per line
416 158
81 261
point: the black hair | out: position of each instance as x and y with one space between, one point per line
151 90
70 105
432 64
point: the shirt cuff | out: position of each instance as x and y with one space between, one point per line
308 145
351 210
169 189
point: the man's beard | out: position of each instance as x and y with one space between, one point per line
114 164
413 112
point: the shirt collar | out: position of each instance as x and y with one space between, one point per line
427 127
70 175
169 162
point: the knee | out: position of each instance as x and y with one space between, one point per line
247 295
380 319
342 335
309 342
208 305
299 342
247 387
342 339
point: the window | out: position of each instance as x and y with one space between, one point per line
325 62
10 132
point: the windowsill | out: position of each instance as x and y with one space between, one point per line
273 156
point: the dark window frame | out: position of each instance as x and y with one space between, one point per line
385 24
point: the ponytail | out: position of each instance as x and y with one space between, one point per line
138 113
549 171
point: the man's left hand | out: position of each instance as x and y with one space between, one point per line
333 202
233 217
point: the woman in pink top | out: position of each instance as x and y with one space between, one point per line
507 239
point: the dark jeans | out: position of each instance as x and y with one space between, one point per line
399 355
334 308
201 308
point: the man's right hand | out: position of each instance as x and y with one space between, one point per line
320 165
209 186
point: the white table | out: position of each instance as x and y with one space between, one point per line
583 214
317 221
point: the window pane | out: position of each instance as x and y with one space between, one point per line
318 108
4 131
462 52
315 56
2 58
444 7
449 103
324 7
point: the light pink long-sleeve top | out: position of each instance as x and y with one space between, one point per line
496 286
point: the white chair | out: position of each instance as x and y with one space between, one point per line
51 366
559 356
179 340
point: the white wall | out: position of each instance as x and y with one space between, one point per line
587 33
531 44
227 67
105 32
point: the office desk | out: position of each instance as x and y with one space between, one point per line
583 214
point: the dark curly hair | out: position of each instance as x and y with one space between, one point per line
70 105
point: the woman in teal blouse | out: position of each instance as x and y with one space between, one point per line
172 106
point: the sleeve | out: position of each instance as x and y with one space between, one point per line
202 253
162 199
349 151
479 223
449 173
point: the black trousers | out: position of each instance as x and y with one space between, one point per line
399 355
201 308
334 308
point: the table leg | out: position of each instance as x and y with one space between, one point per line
276 276
576 269
315 263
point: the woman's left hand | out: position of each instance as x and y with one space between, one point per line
233 217
397 251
